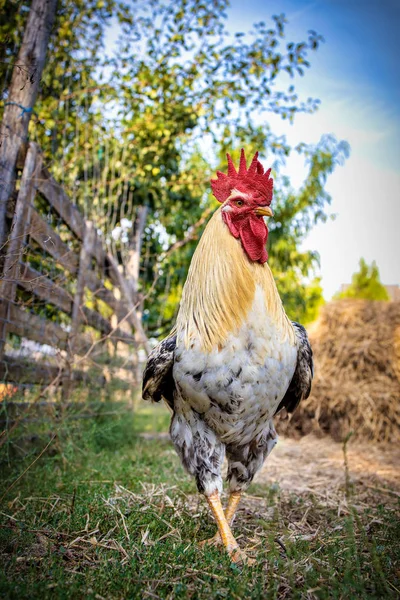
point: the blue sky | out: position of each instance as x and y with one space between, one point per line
357 78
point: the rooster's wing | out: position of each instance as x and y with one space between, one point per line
158 381
300 386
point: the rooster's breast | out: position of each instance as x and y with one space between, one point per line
237 388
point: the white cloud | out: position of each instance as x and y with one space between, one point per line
367 202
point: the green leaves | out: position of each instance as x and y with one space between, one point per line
138 99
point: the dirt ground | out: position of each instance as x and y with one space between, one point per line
317 465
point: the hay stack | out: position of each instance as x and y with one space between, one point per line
356 388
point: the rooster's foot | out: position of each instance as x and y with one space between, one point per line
214 541
240 558
236 554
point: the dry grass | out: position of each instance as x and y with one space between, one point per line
356 388
303 546
320 521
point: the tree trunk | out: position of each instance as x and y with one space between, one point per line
129 306
132 303
132 267
22 96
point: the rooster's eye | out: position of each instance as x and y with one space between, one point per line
239 202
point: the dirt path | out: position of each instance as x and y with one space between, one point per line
317 465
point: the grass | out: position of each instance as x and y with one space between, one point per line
108 513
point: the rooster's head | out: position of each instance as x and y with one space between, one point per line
246 195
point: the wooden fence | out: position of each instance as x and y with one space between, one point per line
61 288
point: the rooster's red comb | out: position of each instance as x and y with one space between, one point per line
252 179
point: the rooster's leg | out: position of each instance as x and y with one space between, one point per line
224 530
231 507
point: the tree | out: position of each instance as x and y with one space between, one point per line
365 284
188 80
128 134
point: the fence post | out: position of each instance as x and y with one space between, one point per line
85 258
21 97
19 230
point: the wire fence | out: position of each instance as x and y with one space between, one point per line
63 320
70 327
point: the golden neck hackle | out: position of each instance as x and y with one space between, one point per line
220 288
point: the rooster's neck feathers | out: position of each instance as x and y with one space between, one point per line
220 289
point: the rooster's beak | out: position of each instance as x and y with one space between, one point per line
264 211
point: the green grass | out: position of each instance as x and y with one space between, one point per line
107 513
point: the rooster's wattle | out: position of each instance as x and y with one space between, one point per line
234 359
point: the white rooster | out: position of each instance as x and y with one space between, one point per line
234 359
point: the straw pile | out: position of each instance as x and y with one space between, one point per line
356 387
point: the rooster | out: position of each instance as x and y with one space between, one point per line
234 359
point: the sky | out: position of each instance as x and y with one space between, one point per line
356 76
